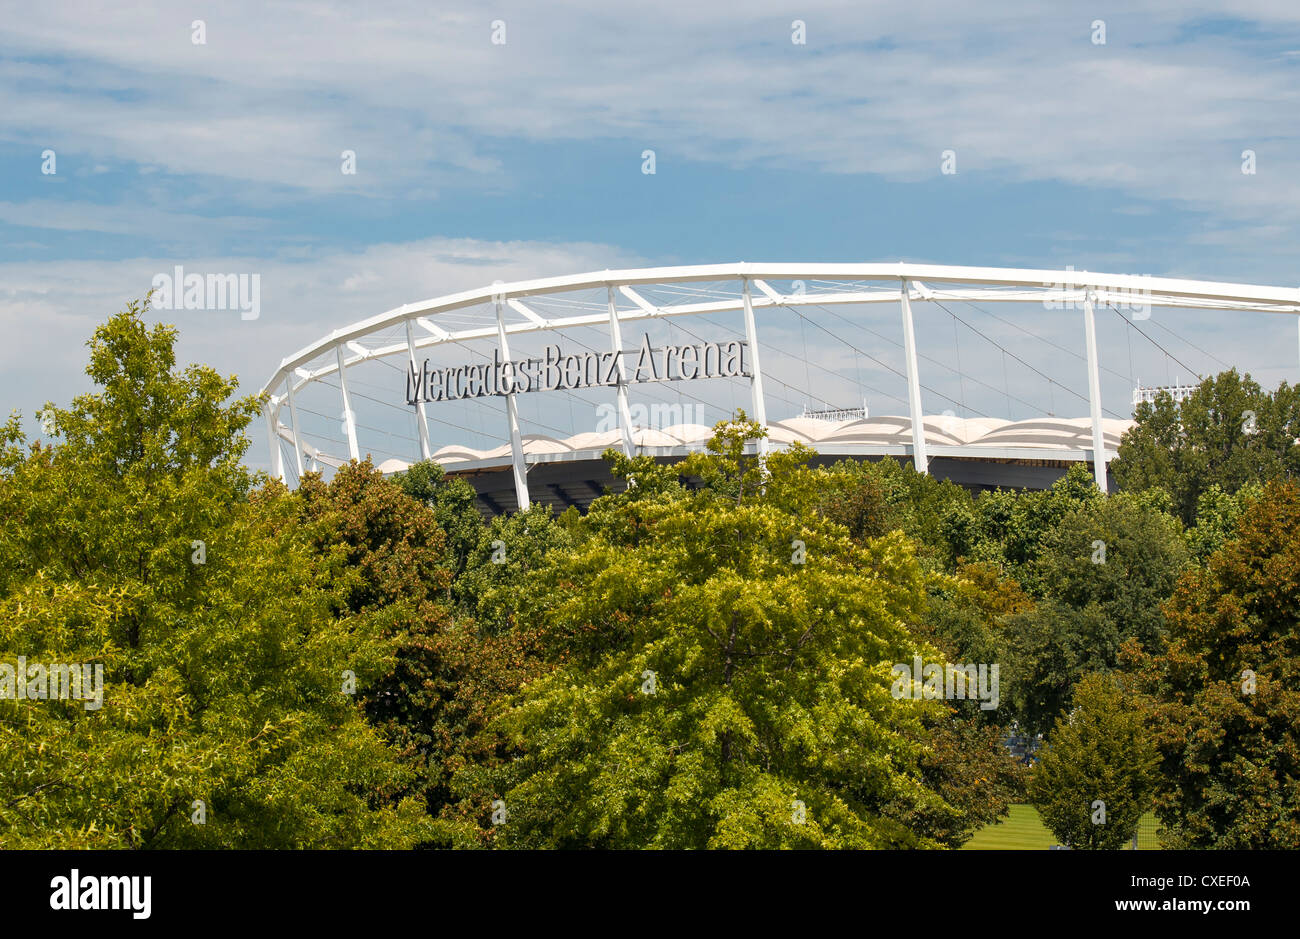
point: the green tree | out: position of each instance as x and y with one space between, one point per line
1217 514
495 646
454 505
1228 433
495 587
379 554
723 675
137 544
1095 777
873 498
967 611
1222 698
1117 554
852 494
965 760
1105 569
1010 527
380 546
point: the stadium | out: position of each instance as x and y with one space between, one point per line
520 387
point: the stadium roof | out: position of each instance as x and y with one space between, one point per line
1054 438
979 453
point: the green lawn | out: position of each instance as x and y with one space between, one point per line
1023 831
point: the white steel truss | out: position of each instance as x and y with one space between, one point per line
901 283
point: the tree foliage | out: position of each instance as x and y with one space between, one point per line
715 685
1229 433
1104 570
452 501
702 660
1223 698
1095 777
137 544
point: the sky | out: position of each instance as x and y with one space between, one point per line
505 141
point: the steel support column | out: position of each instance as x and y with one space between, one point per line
274 455
616 345
419 404
512 418
1099 457
756 379
349 419
919 458
293 419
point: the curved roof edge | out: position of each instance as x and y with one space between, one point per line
1052 438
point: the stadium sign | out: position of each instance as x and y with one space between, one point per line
556 371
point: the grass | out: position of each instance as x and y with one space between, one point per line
1024 831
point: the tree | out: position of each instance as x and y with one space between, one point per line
852 494
453 502
1094 778
723 675
1222 697
495 646
1104 569
1217 514
873 498
965 760
1009 527
975 775
1120 555
1228 433
967 612
495 589
138 545
379 553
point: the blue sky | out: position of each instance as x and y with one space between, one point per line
479 161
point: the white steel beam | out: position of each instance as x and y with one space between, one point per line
438 331
919 460
512 419
649 308
297 435
349 419
616 346
419 404
1094 394
1226 295
769 292
646 311
859 284
756 379
529 314
274 454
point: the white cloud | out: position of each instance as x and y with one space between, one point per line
279 91
126 218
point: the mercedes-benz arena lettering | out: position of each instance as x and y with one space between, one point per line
520 387
556 371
